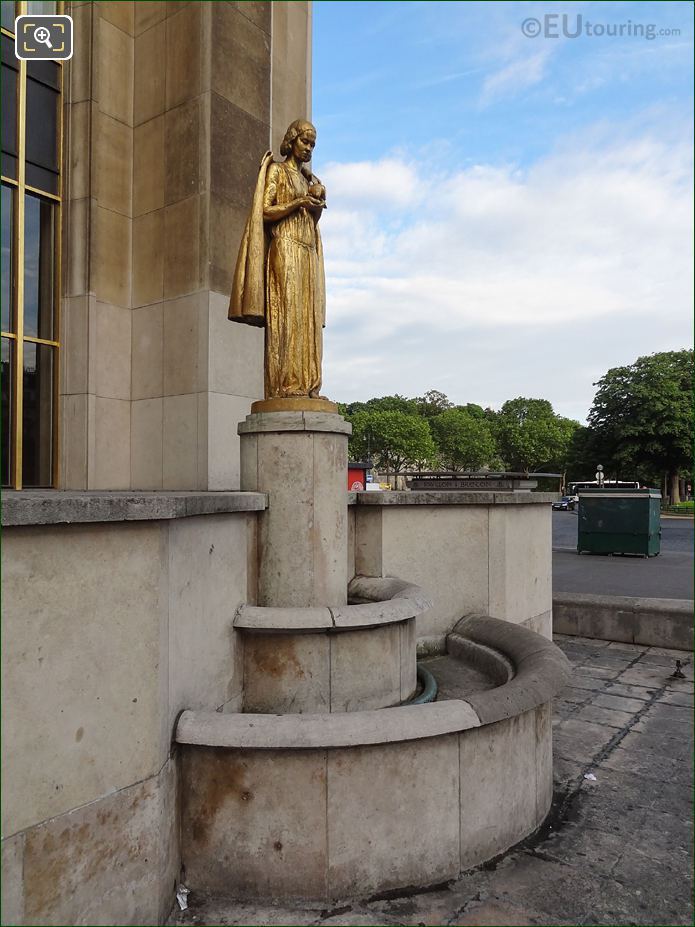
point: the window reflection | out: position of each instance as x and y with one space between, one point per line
8 15
38 268
40 8
37 418
6 411
6 262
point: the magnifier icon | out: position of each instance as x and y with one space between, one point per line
43 35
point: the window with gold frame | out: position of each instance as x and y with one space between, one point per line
30 296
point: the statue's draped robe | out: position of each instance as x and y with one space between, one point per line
279 282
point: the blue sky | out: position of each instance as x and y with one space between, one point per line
496 200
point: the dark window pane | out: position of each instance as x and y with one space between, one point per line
37 418
38 268
7 352
8 15
9 166
9 122
42 179
48 72
8 56
6 291
42 125
9 109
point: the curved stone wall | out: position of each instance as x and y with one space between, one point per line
345 658
337 806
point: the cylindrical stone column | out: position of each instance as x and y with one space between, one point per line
300 459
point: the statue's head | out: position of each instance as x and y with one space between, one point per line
299 140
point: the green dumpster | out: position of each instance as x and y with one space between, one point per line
619 521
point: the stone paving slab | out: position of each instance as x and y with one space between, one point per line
608 716
617 850
637 692
617 702
683 699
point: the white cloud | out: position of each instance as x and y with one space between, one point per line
385 183
436 279
522 72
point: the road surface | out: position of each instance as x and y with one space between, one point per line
668 576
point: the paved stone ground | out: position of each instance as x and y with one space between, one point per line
617 850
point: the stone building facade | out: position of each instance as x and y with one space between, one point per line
165 109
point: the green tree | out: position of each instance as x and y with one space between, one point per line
359 444
473 409
530 435
641 418
583 454
432 404
464 441
394 403
567 428
395 440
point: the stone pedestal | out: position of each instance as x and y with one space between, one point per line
300 459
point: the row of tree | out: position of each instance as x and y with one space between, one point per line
640 427
430 432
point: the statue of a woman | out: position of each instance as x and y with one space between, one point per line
279 277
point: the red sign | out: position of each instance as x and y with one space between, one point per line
356 479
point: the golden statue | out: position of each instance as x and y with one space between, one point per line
279 278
